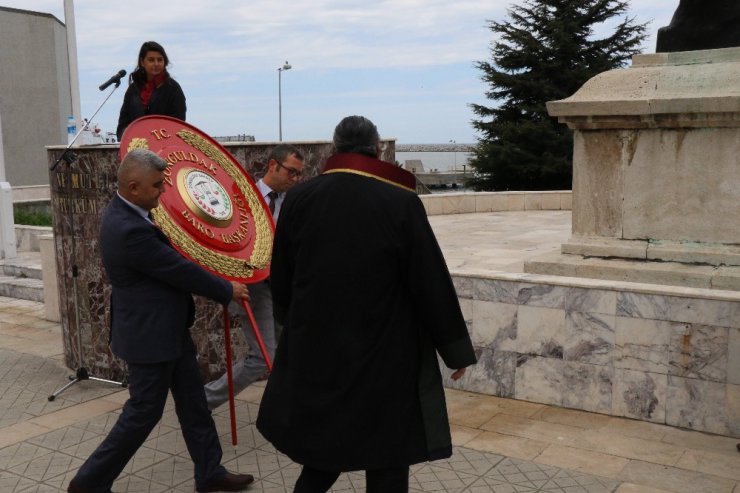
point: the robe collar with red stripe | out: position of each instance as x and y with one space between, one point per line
359 164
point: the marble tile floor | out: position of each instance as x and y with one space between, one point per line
501 445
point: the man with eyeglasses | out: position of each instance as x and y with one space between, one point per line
284 169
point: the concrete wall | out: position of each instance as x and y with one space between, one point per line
36 97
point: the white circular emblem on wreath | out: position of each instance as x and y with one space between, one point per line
208 195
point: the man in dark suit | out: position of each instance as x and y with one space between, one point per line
151 312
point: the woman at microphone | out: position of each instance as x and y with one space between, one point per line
151 90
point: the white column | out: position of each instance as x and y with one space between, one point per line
74 74
7 223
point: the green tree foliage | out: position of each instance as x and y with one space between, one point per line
545 52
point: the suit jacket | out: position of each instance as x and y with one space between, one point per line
151 303
167 99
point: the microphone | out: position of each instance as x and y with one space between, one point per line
116 79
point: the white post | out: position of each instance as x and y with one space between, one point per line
280 106
74 74
286 66
7 223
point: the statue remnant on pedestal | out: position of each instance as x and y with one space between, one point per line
701 25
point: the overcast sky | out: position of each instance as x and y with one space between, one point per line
405 64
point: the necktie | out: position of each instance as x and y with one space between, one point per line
271 199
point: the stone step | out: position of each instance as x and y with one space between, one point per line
24 271
640 271
25 264
20 277
24 288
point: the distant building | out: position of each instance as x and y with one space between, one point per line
414 165
449 147
35 93
235 138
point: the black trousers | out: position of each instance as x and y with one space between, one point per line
148 389
390 480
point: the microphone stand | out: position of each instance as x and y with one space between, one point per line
81 373
70 158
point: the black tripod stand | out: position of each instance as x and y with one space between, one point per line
69 158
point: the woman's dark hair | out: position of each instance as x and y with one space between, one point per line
138 76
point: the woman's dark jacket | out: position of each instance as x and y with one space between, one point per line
167 99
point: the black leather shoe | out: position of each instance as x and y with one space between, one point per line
228 482
75 488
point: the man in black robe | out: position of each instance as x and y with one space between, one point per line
362 288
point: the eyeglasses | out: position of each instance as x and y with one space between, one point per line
292 172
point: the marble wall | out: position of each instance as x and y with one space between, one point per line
80 192
667 356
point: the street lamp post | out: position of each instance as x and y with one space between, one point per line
286 66
454 144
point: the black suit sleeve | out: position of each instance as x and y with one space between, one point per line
151 256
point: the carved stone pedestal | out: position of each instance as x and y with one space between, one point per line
656 172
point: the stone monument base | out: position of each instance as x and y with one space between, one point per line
673 263
656 193
632 270
658 353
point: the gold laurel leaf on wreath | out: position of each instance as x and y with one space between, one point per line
137 143
263 241
224 264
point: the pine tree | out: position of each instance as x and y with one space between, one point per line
546 51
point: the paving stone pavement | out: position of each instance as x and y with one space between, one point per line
48 461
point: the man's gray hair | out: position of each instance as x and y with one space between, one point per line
357 134
140 158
